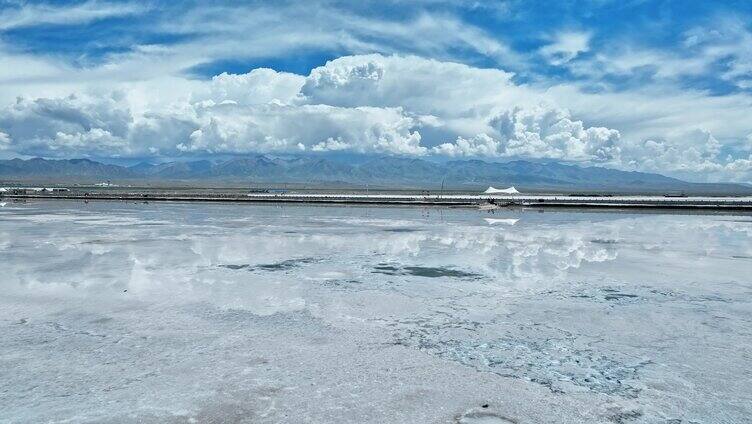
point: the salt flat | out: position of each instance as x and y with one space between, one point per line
178 312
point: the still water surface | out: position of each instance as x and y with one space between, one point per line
173 312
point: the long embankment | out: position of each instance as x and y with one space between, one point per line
466 200
483 200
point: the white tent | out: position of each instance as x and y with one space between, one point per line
510 190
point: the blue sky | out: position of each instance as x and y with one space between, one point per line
524 27
662 86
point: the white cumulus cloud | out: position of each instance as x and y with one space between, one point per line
71 124
399 105
538 133
451 91
233 128
259 86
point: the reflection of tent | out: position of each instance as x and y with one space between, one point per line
510 190
505 221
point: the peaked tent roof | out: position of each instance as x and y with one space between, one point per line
510 190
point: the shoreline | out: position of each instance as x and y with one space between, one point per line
486 202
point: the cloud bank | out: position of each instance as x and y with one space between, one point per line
370 104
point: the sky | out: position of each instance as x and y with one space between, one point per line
654 86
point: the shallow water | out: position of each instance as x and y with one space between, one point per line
172 312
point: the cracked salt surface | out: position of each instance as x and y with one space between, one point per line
228 313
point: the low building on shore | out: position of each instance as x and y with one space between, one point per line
32 190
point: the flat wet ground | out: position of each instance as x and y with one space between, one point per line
176 312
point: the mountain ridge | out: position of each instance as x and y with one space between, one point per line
386 171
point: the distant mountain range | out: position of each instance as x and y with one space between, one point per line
377 172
